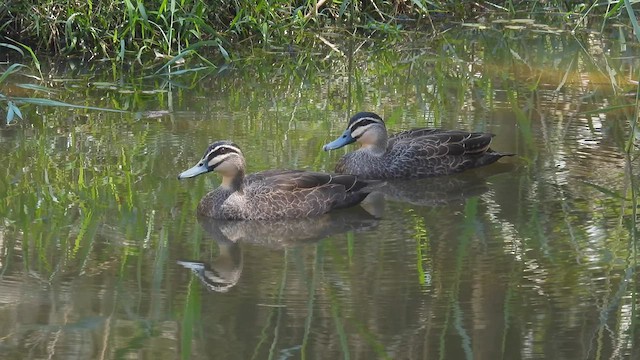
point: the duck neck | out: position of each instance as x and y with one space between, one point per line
377 145
234 182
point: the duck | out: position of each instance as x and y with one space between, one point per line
271 194
411 154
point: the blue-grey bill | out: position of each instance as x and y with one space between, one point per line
200 168
344 139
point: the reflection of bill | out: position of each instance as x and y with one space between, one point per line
223 272
222 276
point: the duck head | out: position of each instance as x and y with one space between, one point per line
223 157
367 128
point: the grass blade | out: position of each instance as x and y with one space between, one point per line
49 102
12 69
632 17
13 47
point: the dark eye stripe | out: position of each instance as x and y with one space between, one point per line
363 122
224 150
221 150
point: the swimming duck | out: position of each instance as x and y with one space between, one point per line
412 154
271 194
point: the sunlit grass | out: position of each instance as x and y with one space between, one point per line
141 30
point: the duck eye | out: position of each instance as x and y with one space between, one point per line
222 150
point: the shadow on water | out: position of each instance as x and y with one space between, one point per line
534 257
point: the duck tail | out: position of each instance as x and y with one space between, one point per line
491 156
501 154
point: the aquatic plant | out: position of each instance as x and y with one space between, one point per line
16 93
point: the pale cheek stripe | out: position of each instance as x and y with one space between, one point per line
220 159
359 131
217 161
213 162
355 124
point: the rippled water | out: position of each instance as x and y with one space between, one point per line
102 256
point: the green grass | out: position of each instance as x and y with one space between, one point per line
133 29
178 37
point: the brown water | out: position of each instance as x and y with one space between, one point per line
531 258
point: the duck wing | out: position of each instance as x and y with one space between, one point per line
435 142
413 134
298 193
308 180
268 175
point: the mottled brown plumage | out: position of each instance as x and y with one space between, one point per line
418 153
271 194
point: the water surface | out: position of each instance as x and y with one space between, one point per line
534 257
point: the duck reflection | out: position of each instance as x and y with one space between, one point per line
223 272
436 191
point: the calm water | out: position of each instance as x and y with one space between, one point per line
531 258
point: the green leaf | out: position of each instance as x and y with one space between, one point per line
12 69
180 72
10 113
609 192
34 58
16 109
224 52
343 8
176 58
69 22
121 52
49 102
632 17
419 4
142 11
13 47
129 5
37 88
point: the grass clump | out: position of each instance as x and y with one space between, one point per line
170 31
147 29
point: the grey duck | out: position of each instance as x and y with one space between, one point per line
411 154
271 194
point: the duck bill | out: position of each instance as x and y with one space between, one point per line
344 139
200 168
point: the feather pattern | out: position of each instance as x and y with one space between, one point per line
411 154
272 194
